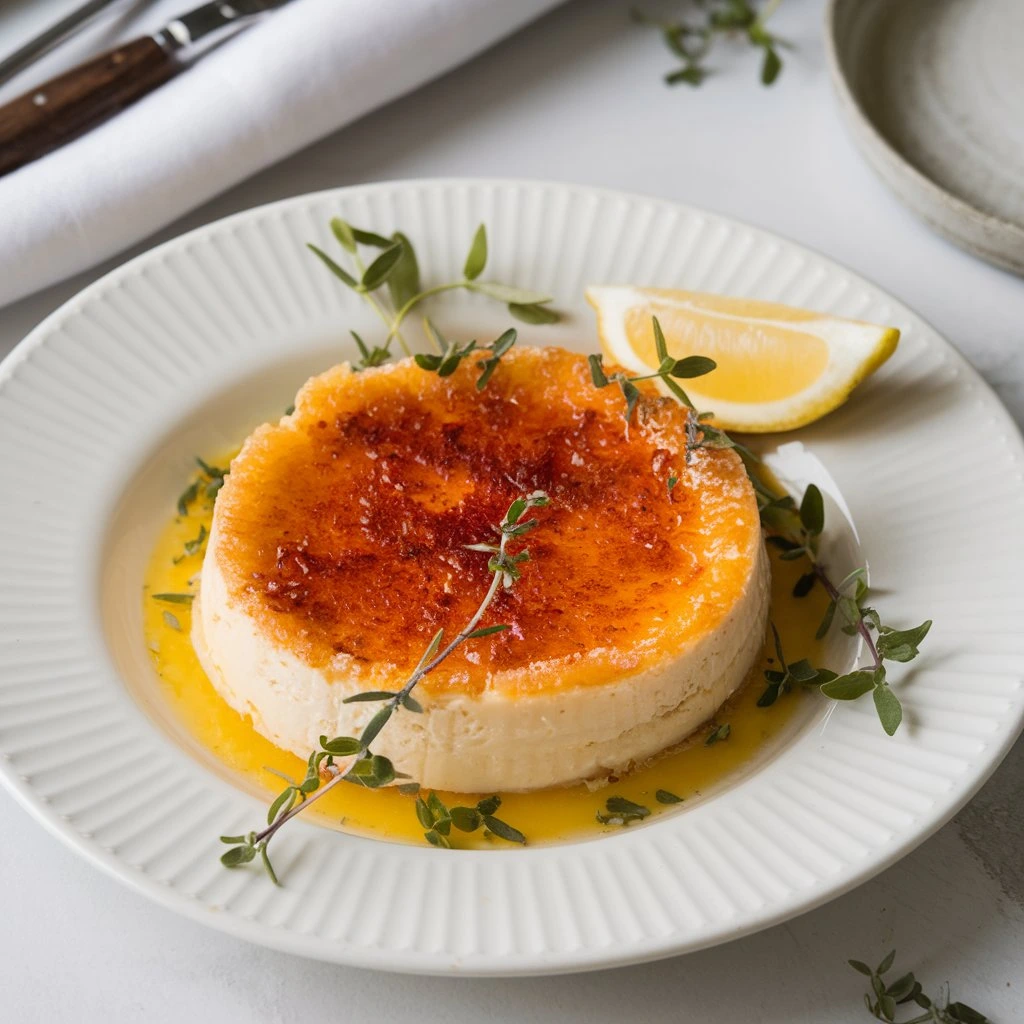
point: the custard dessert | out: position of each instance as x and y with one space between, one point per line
339 547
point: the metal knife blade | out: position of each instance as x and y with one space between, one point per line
210 21
57 111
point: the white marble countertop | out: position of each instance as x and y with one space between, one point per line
578 97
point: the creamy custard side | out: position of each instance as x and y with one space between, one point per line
339 545
548 815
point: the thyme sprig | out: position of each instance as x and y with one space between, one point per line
669 371
438 820
699 432
884 998
391 284
692 40
451 353
788 675
323 772
797 532
206 484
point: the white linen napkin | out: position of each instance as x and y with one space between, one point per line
302 72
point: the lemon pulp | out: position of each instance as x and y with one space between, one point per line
778 367
756 363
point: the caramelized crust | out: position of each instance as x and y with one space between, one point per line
341 530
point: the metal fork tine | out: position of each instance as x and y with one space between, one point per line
52 37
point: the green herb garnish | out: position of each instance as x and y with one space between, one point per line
438 820
884 998
175 598
785 676
796 531
374 770
669 370
194 546
699 432
391 285
450 354
702 435
375 356
691 40
207 483
663 796
187 497
717 735
620 811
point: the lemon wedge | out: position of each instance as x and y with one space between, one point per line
778 367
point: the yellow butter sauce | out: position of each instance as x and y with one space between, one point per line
544 816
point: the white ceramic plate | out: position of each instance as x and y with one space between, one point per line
933 94
187 347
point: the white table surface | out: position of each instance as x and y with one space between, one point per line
578 97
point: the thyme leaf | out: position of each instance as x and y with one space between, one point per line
717 735
885 997
620 811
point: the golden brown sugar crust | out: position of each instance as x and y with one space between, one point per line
342 530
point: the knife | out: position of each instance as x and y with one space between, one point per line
53 36
57 111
